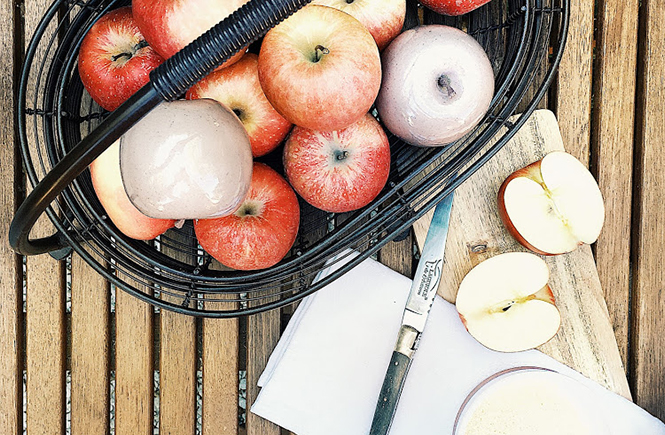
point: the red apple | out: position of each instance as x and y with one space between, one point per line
507 304
383 18
238 88
338 171
261 232
552 206
107 182
115 59
320 68
437 85
169 25
453 7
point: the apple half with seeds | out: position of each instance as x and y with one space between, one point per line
552 206
506 303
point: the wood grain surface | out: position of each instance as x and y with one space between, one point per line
45 344
11 273
612 154
133 365
263 331
585 341
647 338
177 354
90 353
573 82
220 365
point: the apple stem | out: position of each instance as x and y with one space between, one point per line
444 83
319 52
142 44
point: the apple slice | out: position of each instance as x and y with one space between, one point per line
553 205
506 303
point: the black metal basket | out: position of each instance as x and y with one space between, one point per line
523 38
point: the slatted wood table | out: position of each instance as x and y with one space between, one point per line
72 360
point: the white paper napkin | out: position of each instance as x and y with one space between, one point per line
325 374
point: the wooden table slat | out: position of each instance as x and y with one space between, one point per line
90 350
612 154
177 359
45 299
263 332
647 338
572 104
220 364
133 365
11 291
45 346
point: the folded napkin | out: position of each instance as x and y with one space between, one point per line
326 372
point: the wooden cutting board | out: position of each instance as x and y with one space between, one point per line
586 340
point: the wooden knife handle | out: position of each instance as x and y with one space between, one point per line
390 392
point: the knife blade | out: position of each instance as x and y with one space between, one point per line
418 305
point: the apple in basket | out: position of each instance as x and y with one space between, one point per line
261 232
320 68
169 25
114 59
506 303
437 85
186 160
383 18
338 171
553 205
453 7
238 88
107 182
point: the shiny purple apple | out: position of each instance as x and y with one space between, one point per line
437 85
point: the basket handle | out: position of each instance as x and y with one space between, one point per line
167 82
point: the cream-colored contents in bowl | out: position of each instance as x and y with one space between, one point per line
528 403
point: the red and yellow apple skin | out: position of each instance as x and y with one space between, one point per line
261 232
320 68
238 88
383 18
338 171
532 172
169 25
107 182
552 206
453 7
114 59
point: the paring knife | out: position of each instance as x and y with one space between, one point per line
418 305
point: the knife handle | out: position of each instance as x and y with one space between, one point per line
390 392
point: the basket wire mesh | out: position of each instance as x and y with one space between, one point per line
523 38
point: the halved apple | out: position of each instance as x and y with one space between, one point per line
553 205
506 303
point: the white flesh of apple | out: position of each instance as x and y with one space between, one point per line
506 303
560 211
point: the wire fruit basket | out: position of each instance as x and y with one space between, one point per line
524 40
